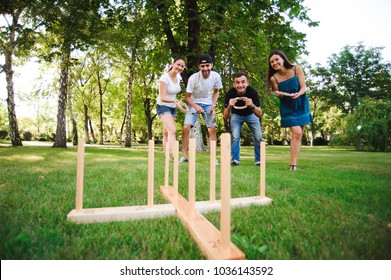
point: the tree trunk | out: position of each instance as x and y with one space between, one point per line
13 122
128 121
101 121
193 33
86 133
196 133
312 125
9 72
121 132
147 112
100 109
75 136
193 48
92 131
60 140
148 105
73 121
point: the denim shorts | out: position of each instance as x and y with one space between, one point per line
192 115
161 110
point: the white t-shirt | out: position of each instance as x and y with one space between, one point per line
172 89
202 89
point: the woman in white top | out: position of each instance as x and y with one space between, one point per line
169 86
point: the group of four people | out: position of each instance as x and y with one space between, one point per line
241 104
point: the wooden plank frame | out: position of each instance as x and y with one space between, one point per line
213 243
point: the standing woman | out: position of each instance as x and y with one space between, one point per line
288 82
169 86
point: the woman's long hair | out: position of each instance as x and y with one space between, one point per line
271 71
175 60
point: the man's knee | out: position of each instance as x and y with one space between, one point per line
186 128
258 136
212 130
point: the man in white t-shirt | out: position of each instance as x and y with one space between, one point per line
202 93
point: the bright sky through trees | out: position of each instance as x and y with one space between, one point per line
346 22
341 23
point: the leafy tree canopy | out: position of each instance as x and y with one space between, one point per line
354 73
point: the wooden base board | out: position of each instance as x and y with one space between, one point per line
126 213
207 206
206 235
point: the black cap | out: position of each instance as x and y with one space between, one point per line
205 58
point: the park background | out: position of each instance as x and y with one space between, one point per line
97 78
112 69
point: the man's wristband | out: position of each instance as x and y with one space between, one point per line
253 107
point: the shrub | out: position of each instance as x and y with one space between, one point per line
246 136
278 142
3 134
339 140
46 137
320 141
27 136
375 133
370 125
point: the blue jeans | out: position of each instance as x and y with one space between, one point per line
192 115
161 110
254 124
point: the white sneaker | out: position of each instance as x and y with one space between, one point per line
183 159
217 162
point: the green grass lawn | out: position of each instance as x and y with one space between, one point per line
337 207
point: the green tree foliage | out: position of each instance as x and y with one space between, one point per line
71 25
358 82
369 127
139 38
356 72
17 38
84 92
237 34
3 117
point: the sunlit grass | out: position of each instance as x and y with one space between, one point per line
336 207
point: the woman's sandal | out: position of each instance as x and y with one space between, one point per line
293 167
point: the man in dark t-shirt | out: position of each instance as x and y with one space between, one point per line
241 105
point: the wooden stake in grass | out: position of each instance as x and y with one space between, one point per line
225 188
176 163
192 178
80 174
214 244
263 169
212 171
167 165
151 158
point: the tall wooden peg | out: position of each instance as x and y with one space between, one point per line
167 165
192 177
225 186
151 158
263 169
80 174
212 179
175 167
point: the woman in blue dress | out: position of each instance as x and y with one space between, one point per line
288 82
